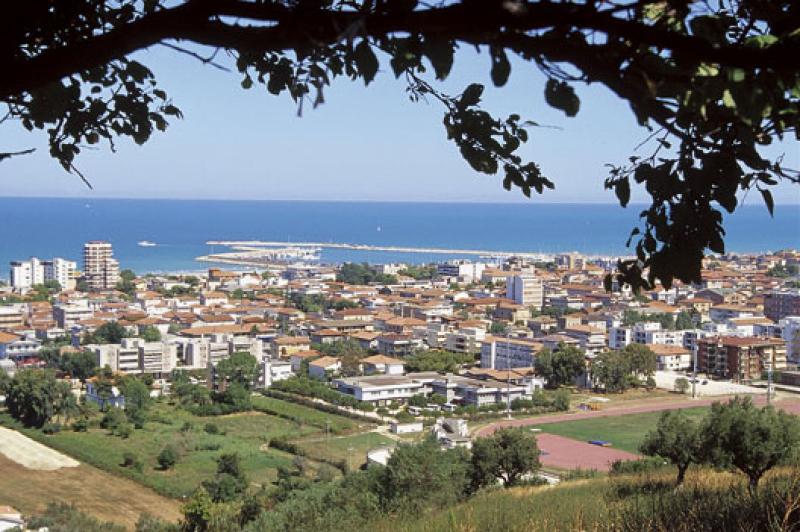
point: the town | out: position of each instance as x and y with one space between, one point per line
375 355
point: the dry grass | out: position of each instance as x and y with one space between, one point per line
99 494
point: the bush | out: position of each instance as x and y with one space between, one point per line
124 430
113 419
561 400
212 428
208 446
167 458
129 459
643 465
187 426
51 428
404 417
81 425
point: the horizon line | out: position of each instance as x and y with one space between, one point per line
532 201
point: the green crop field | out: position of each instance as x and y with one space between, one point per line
247 434
624 432
335 424
352 449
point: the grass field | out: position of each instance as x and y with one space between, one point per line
352 449
336 424
624 432
247 434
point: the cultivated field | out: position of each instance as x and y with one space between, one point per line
247 434
351 449
96 492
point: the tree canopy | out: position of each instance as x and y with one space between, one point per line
713 83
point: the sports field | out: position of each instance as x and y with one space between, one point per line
624 432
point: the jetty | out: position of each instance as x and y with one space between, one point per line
256 245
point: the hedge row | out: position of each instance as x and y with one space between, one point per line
322 407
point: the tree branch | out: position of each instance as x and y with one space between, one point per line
285 28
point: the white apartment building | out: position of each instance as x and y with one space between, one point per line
465 340
134 355
27 273
504 353
100 268
68 316
463 270
525 289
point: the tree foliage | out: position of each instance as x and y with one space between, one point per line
437 360
617 371
714 83
676 438
749 438
509 454
354 273
560 367
240 368
34 397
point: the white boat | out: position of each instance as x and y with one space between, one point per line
146 244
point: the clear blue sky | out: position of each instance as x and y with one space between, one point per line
362 144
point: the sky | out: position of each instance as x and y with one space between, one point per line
369 144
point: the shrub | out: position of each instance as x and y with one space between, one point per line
129 459
167 458
212 428
626 467
113 419
81 425
124 430
51 428
561 400
187 426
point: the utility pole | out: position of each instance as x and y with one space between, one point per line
694 372
508 375
769 382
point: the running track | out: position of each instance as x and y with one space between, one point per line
791 405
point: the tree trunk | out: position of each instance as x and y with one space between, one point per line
681 474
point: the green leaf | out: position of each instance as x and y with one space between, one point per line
561 96
440 53
366 61
770 203
761 41
622 189
471 95
501 68
727 99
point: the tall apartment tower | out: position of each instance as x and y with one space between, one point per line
525 289
100 268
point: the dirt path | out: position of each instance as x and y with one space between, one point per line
791 405
32 454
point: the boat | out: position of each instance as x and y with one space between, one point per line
146 244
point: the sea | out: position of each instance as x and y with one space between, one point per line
58 227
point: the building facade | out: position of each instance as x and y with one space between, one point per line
525 289
100 268
27 273
740 359
778 305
